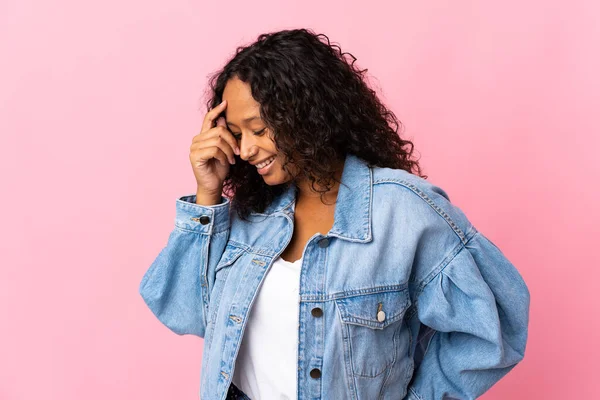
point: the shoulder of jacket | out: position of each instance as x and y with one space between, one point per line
399 177
412 191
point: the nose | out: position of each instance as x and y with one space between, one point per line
248 148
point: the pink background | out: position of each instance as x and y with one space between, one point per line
99 102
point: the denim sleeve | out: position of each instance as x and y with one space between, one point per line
176 285
477 308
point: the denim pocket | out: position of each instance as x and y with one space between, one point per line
371 322
230 255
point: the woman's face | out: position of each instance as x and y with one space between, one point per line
253 137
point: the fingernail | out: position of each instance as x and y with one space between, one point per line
237 151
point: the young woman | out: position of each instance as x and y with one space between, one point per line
314 259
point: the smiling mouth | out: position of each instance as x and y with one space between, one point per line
263 164
266 166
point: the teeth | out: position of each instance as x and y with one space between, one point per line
264 164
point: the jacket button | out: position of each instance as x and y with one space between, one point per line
323 243
316 312
315 373
204 219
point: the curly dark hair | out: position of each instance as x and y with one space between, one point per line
318 107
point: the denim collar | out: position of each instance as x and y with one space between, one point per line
352 218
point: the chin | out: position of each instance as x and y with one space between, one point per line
271 181
274 178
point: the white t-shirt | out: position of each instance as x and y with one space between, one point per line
266 363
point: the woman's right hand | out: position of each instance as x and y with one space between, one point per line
212 152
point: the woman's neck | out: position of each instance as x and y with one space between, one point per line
307 195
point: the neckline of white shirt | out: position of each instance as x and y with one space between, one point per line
291 262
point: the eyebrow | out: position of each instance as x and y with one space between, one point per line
245 120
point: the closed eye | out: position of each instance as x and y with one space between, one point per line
238 136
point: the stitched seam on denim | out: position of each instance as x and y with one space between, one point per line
413 391
213 315
348 317
386 368
412 309
215 312
348 360
216 229
387 365
438 270
354 292
239 245
369 216
203 270
429 201
429 343
252 250
261 253
181 228
323 287
411 357
207 233
215 211
391 367
432 275
220 265
353 320
366 218
183 199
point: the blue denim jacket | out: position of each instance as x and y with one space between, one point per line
416 302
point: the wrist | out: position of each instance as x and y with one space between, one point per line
208 199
